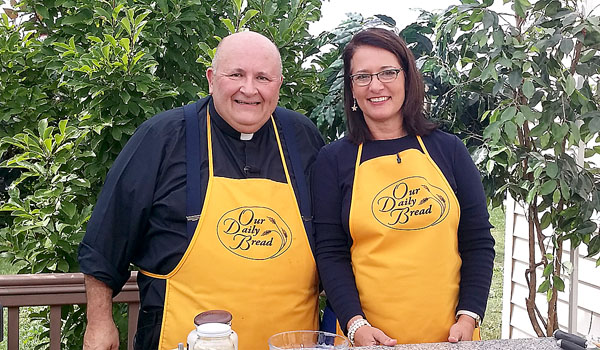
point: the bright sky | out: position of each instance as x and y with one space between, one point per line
403 12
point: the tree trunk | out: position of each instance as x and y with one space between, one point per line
552 304
530 275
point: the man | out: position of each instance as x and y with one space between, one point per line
210 202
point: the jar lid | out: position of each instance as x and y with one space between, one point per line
213 316
212 330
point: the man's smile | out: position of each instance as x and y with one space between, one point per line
247 103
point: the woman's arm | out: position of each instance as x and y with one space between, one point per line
332 243
475 242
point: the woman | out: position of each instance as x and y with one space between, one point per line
403 237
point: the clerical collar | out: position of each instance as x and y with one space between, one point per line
217 120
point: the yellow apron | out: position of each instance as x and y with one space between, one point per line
403 221
249 255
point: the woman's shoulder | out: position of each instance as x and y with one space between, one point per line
441 137
338 146
443 145
337 151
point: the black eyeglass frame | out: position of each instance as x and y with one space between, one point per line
395 70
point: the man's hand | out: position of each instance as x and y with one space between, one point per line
101 335
366 336
101 332
462 329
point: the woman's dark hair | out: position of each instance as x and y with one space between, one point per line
414 119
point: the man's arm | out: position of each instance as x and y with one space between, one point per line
101 332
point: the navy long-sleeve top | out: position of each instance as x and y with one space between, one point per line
140 215
332 183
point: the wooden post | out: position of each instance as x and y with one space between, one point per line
55 327
13 328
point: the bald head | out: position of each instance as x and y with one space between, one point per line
253 41
244 80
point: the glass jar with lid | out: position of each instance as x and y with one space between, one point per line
211 316
214 336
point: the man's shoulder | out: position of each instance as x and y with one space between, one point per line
163 122
169 119
165 118
297 118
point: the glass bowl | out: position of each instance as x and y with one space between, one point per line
308 340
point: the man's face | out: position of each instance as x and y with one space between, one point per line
245 81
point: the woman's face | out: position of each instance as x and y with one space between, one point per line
379 102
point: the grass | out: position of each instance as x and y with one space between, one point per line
492 324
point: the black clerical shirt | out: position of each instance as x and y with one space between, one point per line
140 215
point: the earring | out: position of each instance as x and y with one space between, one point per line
354 107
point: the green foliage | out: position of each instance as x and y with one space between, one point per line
53 210
50 216
522 91
77 77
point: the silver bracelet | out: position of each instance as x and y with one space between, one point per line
355 326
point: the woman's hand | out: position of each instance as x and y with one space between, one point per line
462 329
367 335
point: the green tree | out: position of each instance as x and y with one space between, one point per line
76 79
515 76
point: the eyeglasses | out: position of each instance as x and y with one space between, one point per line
385 76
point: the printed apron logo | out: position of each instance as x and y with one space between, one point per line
255 233
411 203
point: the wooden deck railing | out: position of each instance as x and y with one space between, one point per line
55 290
